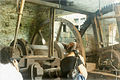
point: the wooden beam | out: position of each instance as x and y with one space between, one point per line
58 6
95 30
100 32
41 2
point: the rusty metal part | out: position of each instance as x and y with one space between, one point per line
22 48
20 44
30 69
36 71
76 33
42 50
52 72
60 49
56 63
108 58
50 63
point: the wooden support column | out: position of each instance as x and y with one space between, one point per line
51 35
95 30
100 32
117 12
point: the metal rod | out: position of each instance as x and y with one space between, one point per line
59 31
18 21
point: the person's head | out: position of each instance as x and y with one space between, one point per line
70 47
6 54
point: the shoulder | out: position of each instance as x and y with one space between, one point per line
69 57
9 70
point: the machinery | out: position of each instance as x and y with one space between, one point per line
38 62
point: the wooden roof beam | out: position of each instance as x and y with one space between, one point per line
58 6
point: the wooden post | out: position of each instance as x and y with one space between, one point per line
95 30
18 21
100 32
51 35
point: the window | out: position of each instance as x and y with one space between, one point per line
64 28
76 20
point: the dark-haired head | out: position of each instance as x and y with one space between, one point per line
6 54
70 47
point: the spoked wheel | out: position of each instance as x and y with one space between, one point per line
21 48
58 46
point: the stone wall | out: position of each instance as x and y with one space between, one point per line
33 16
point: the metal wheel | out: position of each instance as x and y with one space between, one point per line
74 31
22 49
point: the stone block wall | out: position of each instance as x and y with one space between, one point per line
33 16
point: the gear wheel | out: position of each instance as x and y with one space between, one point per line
104 10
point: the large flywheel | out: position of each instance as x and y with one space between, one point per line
58 45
